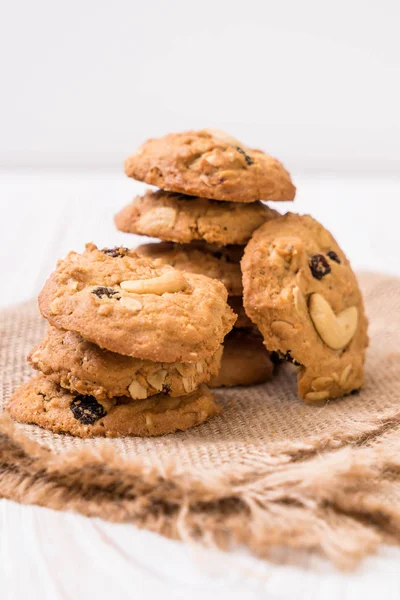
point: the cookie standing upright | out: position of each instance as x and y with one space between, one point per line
300 291
210 164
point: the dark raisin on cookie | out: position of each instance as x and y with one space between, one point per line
102 291
86 409
333 256
116 251
247 158
319 266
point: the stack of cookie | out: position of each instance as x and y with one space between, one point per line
206 210
134 336
129 348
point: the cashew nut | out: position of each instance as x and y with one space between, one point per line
157 379
137 391
131 303
172 281
345 375
316 396
335 330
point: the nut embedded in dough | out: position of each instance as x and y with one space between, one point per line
170 282
137 391
335 330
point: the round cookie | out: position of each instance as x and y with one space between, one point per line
177 218
222 263
301 292
84 368
245 361
42 402
242 321
126 304
210 164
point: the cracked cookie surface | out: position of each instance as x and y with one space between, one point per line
124 303
84 368
174 217
210 164
300 291
245 361
44 403
217 262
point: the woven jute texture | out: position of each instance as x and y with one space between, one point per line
269 472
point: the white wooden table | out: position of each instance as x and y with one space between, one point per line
51 556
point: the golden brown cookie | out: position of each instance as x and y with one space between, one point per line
300 290
210 164
245 361
124 303
84 368
42 402
217 262
177 218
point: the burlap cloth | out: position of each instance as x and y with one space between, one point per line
269 472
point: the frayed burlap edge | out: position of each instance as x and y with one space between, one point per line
342 503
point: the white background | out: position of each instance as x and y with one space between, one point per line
82 83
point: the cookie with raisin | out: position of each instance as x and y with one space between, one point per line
42 402
300 291
210 164
129 305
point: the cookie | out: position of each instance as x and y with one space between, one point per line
84 368
126 304
42 402
184 219
210 164
217 262
300 290
245 361
242 321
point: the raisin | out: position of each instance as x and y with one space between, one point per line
319 266
86 409
116 251
333 256
104 291
247 158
